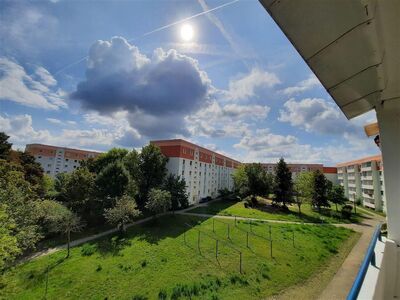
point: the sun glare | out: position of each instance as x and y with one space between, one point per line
187 32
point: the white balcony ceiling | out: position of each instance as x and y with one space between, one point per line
353 47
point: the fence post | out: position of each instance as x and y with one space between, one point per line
270 233
216 249
293 237
240 262
247 240
47 282
235 221
270 244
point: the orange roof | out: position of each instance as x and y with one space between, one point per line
49 147
186 143
360 161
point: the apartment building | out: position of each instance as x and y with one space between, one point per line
362 180
204 171
295 169
55 160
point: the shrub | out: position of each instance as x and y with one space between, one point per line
139 297
88 249
346 211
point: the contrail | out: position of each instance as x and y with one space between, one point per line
156 30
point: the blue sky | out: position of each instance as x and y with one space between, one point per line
103 74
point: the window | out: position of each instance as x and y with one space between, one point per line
75 160
190 162
65 166
200 164
39 157
48 172
183 162
66 159
49 165
183 172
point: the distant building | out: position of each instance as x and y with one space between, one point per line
204 171
362 180
55 160
295 169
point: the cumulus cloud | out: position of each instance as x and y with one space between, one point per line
159 89
22 132
246 85
302 86
60 122
316 115
35 90
217 120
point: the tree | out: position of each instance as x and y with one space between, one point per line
76 191
5 146
114 155
131 163
112 182
320 190
283 183
8 242
49 186
336 195
158 201
20 204
65 221
257 181
303 188
152 171
240 181
32 169
124 211
176 186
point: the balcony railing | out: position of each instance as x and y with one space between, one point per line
368 259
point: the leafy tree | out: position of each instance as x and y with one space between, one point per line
124 211
303 188
5 146
76 191
32 169
283 183
159 201
176 186
336 195
257 180
112 182
152 171
131 163
112 156
240 181
64 221
320 190
49 186
8 242
20 204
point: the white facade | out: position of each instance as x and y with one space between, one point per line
55 160
363 180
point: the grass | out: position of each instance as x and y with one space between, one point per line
152 261
266 211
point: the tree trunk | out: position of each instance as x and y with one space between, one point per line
336 207
299 205
68 241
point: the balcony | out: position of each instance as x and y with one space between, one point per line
366 168
369 177
367 186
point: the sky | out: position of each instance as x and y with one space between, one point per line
101 74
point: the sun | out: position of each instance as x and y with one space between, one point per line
187 32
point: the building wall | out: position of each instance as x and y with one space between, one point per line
363 179
204 171
55 160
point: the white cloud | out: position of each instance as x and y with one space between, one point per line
316 115
245 86
59 122
302 86
17 86
22 132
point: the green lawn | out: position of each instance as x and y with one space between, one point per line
267 211
153 259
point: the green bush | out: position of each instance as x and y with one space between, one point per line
88 249
162 294
346 211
